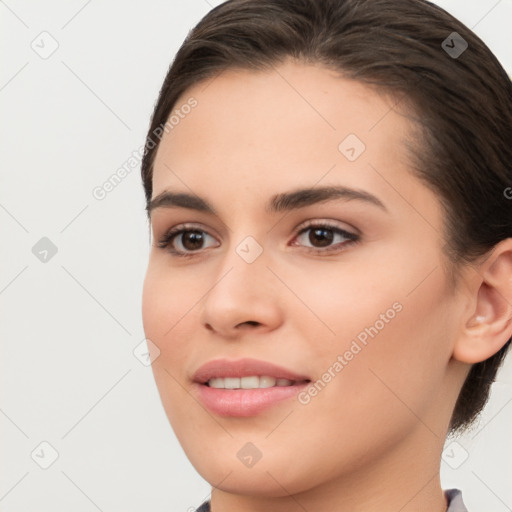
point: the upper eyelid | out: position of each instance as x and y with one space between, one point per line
325 222
189 226
185 226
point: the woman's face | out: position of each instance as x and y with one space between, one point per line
347 292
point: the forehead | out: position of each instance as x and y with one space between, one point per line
294 124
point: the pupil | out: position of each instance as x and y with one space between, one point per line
321 236
195 237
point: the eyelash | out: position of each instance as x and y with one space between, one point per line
166 240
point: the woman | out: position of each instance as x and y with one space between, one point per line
328 288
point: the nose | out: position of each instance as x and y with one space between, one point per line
243 296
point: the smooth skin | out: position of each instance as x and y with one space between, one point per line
371 440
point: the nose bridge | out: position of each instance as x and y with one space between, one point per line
246 238
244 262
241 291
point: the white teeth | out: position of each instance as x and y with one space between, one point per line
216 382
251 382
231 382
267 382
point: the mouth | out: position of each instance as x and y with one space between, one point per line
245 387
251 382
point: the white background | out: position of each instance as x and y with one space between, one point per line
69 326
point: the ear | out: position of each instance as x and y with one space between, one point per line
489 325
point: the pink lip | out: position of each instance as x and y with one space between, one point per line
244 402
243 368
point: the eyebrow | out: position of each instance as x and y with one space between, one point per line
285 201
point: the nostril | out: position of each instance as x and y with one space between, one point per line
248 322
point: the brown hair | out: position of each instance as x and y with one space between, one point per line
461 106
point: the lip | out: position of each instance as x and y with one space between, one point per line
244 402
243 368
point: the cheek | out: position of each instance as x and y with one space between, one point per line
390 324
406 350
162 309
331 305
166 299
156 308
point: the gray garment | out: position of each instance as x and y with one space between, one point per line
455 502
454 497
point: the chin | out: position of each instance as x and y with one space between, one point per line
274 475
252 482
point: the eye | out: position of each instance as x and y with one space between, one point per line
324 234
187 241
184 240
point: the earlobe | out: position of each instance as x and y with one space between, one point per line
489 327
